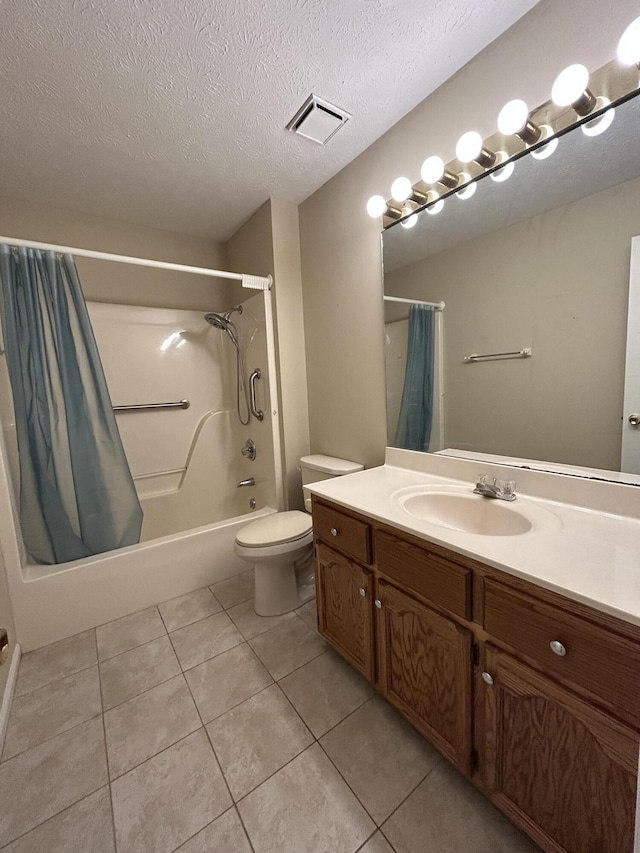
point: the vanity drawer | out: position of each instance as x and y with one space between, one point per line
597 660
434 578
341 531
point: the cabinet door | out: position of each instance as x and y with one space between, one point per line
345 608
424 668
565 771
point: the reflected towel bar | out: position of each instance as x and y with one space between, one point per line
521 353
181 404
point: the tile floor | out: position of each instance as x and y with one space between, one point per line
199 727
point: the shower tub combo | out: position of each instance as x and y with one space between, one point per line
186 459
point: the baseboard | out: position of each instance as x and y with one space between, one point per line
7 699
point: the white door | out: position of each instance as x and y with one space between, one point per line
630 461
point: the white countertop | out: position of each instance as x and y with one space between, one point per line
586 554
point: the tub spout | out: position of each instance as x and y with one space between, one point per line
250 481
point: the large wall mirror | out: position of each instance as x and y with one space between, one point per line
537 268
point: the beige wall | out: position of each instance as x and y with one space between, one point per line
268 244
341 269
103 281
558 283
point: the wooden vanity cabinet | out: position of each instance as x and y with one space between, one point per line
424 669
344 596
559 767
533 696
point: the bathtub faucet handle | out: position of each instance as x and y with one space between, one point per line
249 450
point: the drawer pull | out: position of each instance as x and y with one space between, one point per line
487 678
334 531
362 592
557 648
378 603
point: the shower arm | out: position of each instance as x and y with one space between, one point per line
258 414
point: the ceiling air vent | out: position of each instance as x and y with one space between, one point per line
318 120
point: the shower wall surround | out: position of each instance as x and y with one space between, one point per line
186 462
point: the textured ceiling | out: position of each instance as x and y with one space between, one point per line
171 113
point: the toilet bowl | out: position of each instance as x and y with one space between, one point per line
280 546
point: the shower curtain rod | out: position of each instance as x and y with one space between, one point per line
439 306
254 282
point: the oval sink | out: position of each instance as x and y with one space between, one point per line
467 513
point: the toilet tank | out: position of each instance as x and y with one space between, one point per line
317 467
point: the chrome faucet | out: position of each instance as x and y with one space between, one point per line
250 481
503 490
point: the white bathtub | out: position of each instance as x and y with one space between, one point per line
53 602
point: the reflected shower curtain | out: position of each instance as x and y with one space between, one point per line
416 409
77 496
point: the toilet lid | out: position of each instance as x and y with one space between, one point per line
275 529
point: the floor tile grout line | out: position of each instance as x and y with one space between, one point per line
142 692
246 831
274 684
128 616
182 737
333 764
237 705
134 648
439 761
195 621
350 714
364 844
57 814
55 680
106 751
51 737
62 731
217 760
275 773
282 677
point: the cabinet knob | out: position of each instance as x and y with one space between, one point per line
557 648
487 678
378 603
362 592
334 531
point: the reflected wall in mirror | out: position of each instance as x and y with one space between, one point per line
542 262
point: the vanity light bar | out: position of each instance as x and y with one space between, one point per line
570 90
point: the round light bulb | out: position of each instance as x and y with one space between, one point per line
469 146
569 85
513 117
432 170
436 208
401 189
410 220
545 150
469 190
506 171
629 44
376 206
598 125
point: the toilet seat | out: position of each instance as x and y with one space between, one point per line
280 528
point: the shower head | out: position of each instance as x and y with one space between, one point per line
222 321
218 321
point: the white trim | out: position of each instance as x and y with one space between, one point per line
274 379
9 690
253 281
439 306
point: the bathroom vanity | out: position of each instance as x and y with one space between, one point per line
501 633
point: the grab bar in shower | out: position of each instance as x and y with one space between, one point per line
181 404
257 413
521 353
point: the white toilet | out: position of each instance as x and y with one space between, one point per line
280 545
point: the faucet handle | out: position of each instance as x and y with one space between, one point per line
481 480
508 487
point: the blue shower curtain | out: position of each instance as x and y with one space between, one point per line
416 409
77 496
